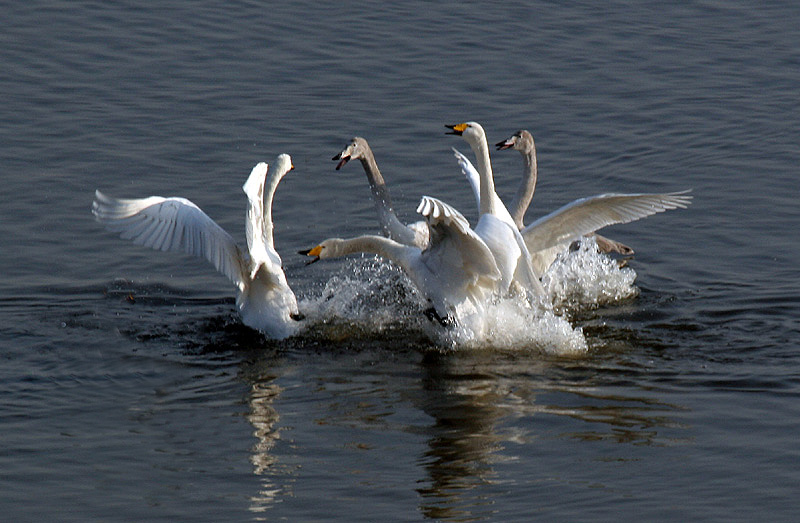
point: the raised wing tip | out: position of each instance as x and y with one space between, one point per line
680 199
436 211
255 181
99 201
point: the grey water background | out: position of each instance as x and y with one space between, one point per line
130 391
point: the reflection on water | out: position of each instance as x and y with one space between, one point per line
263 416
489 409
466 405
619 419
482 401
274 479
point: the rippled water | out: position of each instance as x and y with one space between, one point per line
131 391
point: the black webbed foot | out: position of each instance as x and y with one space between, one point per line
432 315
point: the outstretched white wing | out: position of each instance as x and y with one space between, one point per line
172 224
587 215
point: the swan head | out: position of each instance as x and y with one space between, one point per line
355 150
330 248
472 132
521 141
283 164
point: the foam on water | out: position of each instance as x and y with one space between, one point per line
585 279
514 323
369 295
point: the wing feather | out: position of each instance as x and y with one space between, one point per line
172 224
587 215
450 229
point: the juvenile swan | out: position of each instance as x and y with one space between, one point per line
264 299
415 234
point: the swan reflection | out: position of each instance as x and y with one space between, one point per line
466 419
490 409
264 418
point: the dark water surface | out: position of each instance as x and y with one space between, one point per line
130 391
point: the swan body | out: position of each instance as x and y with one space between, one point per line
495 225
417 233
456 272
264 299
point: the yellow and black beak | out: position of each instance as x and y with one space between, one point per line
314 252
457 129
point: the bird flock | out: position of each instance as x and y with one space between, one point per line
458 269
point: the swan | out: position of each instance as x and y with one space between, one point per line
415 234
456 272
264 299
523 142
548 235
495 225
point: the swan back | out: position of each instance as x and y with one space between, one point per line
450 231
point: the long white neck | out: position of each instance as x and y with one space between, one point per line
371 244
527 186
274 177
488 195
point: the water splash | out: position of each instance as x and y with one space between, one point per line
369 296
515 323
585 279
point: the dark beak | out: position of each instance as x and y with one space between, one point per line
342 160
453 130
505 144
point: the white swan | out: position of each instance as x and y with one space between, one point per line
495 225
522 141
413 234
264 299
550 234
456 272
